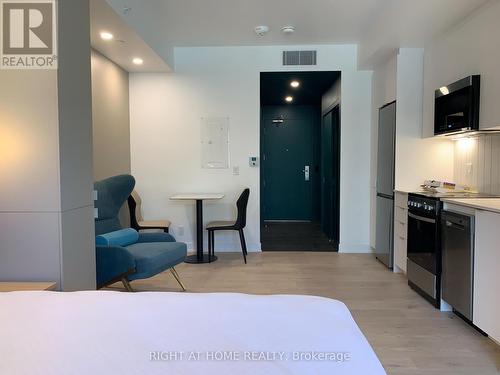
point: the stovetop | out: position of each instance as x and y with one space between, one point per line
437 195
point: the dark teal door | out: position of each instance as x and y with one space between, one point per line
287 169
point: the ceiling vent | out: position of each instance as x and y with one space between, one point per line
299 57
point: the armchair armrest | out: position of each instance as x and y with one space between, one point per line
113 263
155 237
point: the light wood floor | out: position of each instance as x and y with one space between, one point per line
408 334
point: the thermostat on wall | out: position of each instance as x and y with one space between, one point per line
253 161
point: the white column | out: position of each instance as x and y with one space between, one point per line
46 215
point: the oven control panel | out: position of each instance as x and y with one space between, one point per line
423 204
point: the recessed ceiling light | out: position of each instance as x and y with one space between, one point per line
288 30
106 35
289 99
137 61
295 84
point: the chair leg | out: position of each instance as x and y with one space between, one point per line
209 246
213 243
243 245
127 285
178 278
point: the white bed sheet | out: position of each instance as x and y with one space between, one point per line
179 333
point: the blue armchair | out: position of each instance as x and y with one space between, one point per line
151 254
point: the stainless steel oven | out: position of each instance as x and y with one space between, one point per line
424 247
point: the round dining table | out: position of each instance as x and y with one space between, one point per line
200 256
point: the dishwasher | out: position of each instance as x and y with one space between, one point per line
457 244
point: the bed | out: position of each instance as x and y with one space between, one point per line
179 333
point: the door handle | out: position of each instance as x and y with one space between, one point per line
449 224
420 218
306 173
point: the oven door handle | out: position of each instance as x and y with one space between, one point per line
421 218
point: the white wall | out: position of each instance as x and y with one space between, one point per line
469 48
29 157
384 83
477 163
165 133
46 209
110 118
417 159
110 122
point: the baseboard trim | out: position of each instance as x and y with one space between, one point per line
355 249
228 247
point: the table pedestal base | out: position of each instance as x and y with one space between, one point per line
193 259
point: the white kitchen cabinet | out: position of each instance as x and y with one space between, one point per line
400 231
486 314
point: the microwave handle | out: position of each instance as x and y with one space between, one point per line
421 218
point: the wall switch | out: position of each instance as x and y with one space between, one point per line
236 170
180 230
96 213
94 194
253 161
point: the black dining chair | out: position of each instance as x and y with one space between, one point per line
238 225
136 220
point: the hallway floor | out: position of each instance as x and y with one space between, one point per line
294 236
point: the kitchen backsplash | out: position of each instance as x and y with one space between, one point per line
477 163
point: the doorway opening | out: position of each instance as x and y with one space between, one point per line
300 161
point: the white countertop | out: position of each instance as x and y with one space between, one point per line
486 204
405 191
196 197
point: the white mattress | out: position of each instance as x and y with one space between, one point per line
179 333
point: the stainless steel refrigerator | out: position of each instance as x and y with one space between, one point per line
384 244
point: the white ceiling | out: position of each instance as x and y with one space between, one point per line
412 23
126 43
231 22
374 24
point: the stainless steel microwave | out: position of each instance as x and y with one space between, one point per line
456 108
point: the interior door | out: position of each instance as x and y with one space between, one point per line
330 175
287 163
327 175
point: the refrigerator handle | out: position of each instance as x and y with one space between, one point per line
385 196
